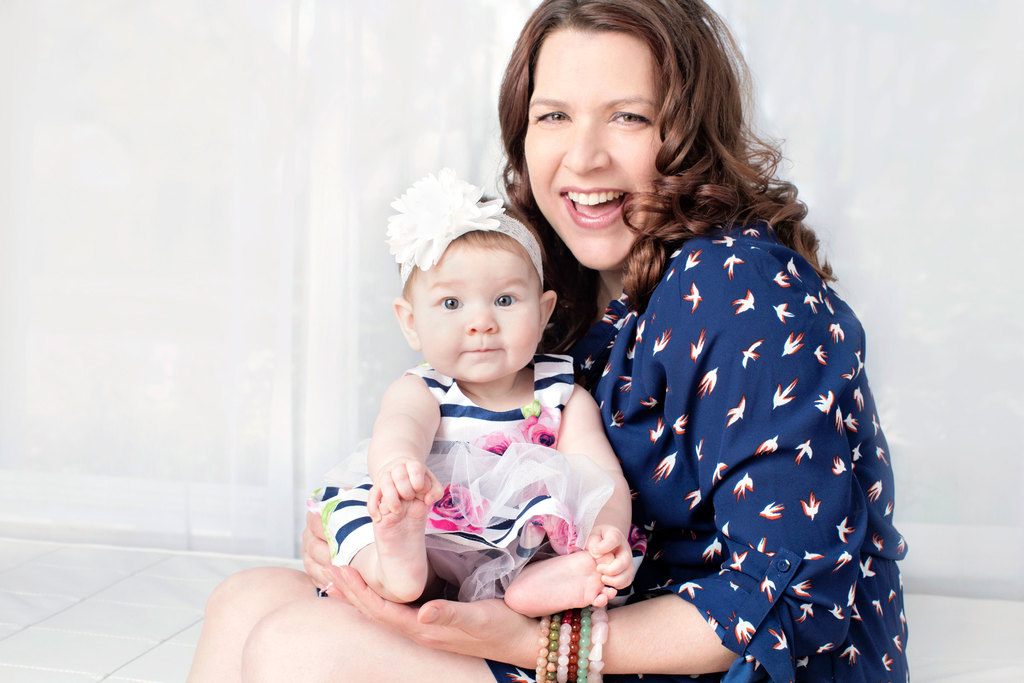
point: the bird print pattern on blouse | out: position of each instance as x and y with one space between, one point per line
739 406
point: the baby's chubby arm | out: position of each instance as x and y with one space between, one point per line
582 432
402 436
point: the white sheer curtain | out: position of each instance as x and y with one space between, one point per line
194 292
194 295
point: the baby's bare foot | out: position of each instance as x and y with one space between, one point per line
556 584
401 553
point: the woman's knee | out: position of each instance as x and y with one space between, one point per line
254 591
299 641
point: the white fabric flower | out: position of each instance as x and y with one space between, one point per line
432 213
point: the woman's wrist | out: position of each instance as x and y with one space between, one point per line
526 646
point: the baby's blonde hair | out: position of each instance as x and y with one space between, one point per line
481 239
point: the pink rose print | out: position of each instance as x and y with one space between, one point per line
495 442
457 511
542 430
561 534
637 540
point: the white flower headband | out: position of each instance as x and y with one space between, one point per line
436 211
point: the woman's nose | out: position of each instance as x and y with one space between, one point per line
587 150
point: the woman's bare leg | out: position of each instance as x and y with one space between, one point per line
318 639
232 612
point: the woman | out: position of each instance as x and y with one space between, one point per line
730 379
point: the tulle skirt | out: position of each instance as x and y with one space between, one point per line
497 513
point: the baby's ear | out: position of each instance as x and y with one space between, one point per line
547 306
403 313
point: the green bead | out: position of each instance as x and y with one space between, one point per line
583 664
584 654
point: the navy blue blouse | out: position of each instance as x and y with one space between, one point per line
739 406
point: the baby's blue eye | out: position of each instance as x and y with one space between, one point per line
504 300
450 304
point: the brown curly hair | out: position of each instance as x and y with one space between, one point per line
714 171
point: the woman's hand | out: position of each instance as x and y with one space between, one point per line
485 628
316 555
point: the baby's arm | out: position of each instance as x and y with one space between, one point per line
402 437
581 432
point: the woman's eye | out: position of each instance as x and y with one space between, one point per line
450 303
552 117
504 300
626 117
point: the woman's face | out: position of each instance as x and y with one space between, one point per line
592 139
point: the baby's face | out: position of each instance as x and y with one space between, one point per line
478 315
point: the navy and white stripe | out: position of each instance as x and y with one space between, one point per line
463 420
346 522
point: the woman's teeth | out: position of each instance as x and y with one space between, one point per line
593 198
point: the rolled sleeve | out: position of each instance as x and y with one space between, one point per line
744 615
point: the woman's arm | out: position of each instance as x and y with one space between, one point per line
663 635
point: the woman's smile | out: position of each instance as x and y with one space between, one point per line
594 210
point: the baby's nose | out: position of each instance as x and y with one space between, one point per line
482 322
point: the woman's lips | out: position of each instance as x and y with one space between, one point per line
596 216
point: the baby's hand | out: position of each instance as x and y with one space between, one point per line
610 549
400 482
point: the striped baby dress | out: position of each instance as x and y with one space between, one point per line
509 496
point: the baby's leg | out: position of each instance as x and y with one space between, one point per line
557 584
395 565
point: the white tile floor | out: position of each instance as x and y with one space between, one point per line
90 613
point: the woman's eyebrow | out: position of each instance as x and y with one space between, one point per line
635 99
546 102
618 102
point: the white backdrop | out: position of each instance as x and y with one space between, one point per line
194 292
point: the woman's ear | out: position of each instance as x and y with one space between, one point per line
547 306
403 313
